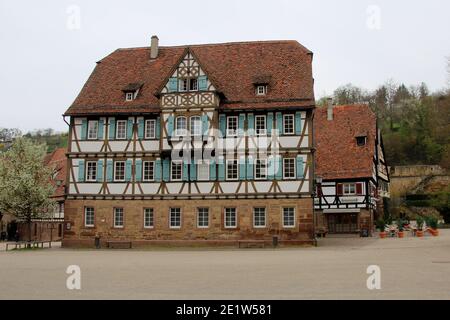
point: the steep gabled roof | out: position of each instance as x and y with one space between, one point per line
232 67
337 155
57 160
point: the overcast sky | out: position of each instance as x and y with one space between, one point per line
49 48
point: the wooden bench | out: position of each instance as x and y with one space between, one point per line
119 244
251 244
24 244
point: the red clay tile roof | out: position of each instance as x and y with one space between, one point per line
232 67
58 160
337 155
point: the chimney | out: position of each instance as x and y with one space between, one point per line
154 47
330 109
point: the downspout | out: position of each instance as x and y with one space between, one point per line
313 166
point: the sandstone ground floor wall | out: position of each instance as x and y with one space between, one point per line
343 221
76 234
41 230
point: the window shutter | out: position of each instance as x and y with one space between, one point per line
138 172
112 129
269 123
170 126
158 128
80 170
250 124
100 129
166 170
279 168
339 189
241 168
158 170
100 170
141 128
193 171
202 83
298 123
241 124
173 84
221 172
205 125
299 168
128 169
130 129
279 119
212 170
250 168
185 171
109 170
271 168
83 129
359 188
222 124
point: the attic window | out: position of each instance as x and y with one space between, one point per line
261 90
361 141
129 96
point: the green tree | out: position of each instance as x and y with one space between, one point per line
25 182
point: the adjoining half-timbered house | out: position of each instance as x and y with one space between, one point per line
350 169
201 144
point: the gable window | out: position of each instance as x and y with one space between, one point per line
150 129
183 84
148 170
232 169
288 217
180 126
259 217
91 171
148 218
261 169
193 84
261 90
175 218
118 217
202 217
288 124
129 96
196 126
88 216
349 189
203 170
361 141
289 168
92 130
260 125
119 171
121 131
232 126
176 170
230 218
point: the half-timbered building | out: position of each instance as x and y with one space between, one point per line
351 170
200 144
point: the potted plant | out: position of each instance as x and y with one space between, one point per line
381 226
401 228
433 223
419 221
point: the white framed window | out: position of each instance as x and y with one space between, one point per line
196 126
180 126
261 169
121 130
175 218
148 218
203 170
202 217
92 129
176 170
289 217
349 188
150 129
260 125
288 124
91 171
193 84
259 217
183 84
232 169
89 217
261 90
118 217
119 171
289 168
230 218
148 170
129 96
232 126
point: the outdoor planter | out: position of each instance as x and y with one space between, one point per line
382 234
419 233
401 234
434 232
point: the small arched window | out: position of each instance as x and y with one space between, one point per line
180 126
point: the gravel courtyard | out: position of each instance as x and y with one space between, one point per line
411 268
